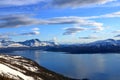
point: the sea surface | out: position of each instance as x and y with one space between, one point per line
79 66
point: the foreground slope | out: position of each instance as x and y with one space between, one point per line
19 68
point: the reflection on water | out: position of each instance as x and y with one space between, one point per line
37 56
91 66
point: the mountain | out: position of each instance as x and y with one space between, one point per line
107 42
101 46
27 43
5 44
37 43
20 68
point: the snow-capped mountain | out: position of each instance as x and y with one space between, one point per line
101 46
27 43
32 42
108 45
19 68
37 43
108 42
5 44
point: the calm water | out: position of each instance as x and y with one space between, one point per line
91 66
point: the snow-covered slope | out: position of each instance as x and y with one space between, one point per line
19 68
13 73
16 45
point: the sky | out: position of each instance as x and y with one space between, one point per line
64 21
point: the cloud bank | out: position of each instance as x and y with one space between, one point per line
23 20
73 30
54 3
110 15
29 33
78 3
79 23
12 21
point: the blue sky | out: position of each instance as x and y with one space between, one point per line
64 21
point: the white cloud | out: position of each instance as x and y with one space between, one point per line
18 2
92 36
110 15
23 20
35 29
73 30
96 26
29 33
113 4
116 31
78 3
58 3
115 14
8 36
4 37
11 21
36 32
97 29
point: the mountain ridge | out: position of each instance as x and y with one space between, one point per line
100 46
27 43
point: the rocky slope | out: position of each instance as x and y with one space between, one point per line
19 68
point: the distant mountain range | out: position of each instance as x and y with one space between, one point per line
101 46
27 43
33 44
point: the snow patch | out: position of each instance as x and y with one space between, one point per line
7 70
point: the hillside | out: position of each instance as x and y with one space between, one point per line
19 68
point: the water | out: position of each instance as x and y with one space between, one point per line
91 66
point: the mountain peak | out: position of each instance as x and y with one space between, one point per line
34 40
110 40
37 43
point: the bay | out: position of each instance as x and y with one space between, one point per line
79 66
